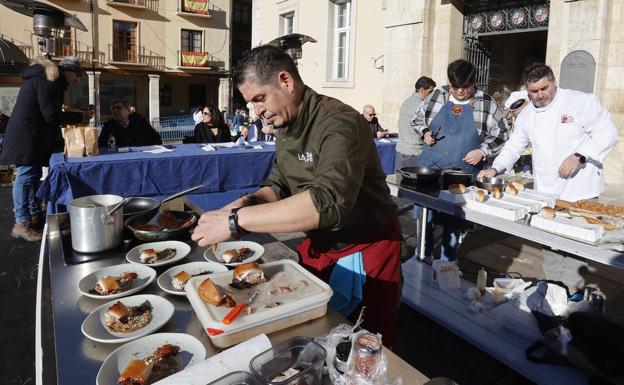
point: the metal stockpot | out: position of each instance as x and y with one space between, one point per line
92 230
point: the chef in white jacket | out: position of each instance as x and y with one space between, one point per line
571 135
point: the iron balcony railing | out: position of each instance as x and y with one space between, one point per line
139 3
135 55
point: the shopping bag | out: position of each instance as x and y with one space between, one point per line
74 141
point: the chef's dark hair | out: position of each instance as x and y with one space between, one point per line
424 82
461 73
261 64
537 71
122 102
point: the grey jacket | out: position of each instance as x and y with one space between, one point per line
410 141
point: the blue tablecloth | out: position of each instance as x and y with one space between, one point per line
227 172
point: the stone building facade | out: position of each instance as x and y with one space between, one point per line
393 42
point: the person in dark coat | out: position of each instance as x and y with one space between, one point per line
31 132
212 129
128 129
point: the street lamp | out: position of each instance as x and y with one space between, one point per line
291 44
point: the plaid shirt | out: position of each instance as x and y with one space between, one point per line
489 119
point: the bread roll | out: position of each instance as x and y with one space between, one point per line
518 185
480 195
496 193
547 212
511 189
457 188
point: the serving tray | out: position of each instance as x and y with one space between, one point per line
307 301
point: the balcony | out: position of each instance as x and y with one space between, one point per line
194 8
137 4
203 61
135 56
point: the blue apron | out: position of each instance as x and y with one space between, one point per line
454 122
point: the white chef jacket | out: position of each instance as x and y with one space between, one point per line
574 122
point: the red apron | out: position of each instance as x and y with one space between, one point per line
381 258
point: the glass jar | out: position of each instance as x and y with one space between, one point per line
367 354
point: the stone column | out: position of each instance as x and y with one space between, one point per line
94 93
225 93
154 97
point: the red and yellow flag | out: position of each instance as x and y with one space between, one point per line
196 6
194 59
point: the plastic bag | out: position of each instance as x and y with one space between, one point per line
356 370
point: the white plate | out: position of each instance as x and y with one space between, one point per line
182 250
191 352
215 256
164 281
94 327
145 276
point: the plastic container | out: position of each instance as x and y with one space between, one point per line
237 378
299 353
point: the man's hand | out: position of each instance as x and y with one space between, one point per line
87 115
569 166
382 134
473 157
429 139
487 173
213 227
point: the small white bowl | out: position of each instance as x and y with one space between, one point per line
215 256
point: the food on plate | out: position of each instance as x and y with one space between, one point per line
209 292
247 275
518 185
137 372
480 195
122 319
166 221
286 374
234 255
511 189
162 363
111 284
547 212
180 279
154 256
497 193
457 189
270 305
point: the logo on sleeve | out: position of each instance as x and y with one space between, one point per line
567 119
305 157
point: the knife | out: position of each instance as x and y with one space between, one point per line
238 309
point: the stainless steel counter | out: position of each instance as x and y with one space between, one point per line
70 358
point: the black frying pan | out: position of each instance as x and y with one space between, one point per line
420 173
140 205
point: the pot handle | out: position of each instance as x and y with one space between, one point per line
107 218
404 174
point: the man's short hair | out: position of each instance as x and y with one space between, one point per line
537 71
461 73
424 82
122 102
261 64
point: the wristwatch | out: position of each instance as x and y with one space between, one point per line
580 157
236 231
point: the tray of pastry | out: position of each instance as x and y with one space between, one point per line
282 294
566 226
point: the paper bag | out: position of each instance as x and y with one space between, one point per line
74 141
446 274
91 141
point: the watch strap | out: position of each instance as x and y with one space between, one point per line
236 231
580 157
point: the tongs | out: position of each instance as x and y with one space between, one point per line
434 135
238 309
